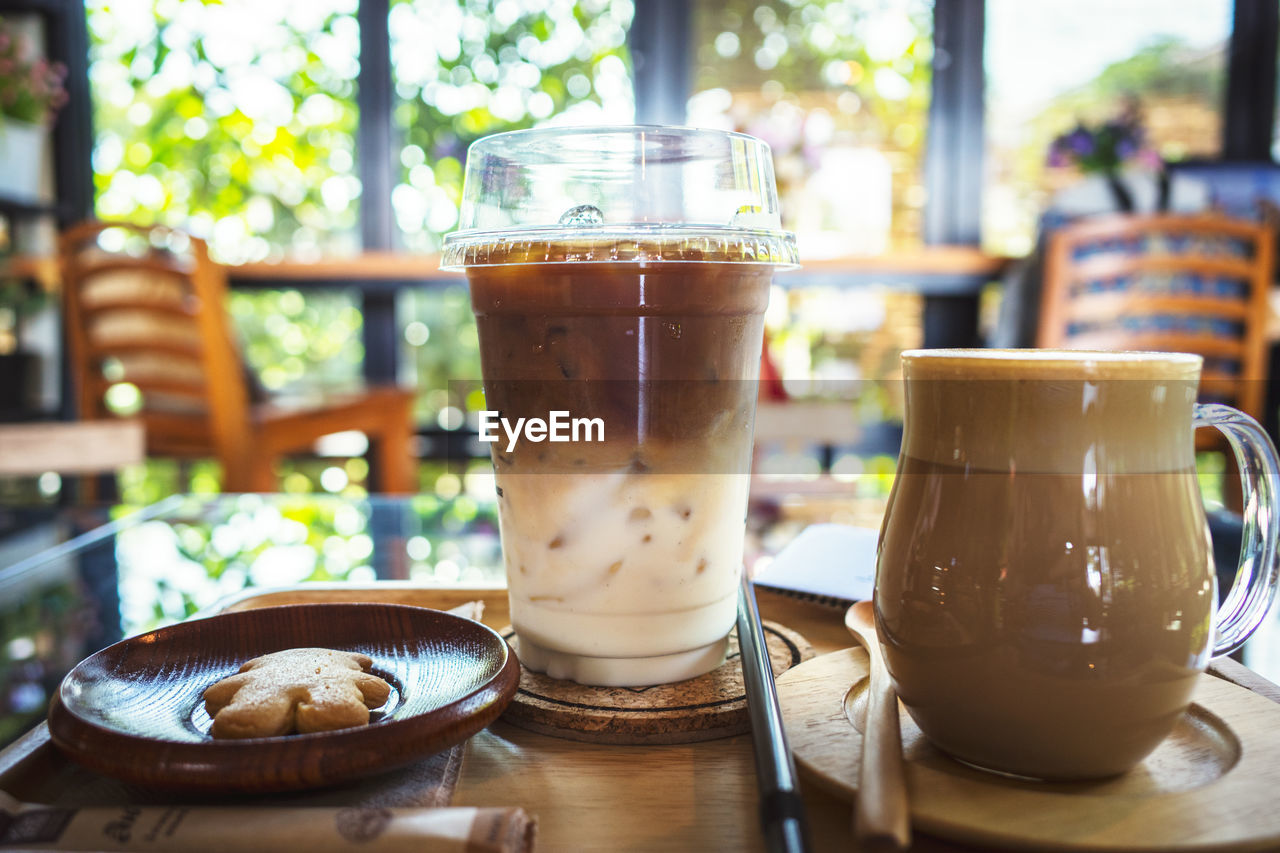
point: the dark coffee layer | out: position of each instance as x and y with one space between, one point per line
659 351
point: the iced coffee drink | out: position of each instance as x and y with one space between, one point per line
623 544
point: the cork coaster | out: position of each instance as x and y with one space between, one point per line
710 706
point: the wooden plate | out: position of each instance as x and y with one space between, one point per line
1209 786
136 711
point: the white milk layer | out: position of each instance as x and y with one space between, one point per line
620 564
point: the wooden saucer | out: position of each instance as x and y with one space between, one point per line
135 710
1209 786
710 706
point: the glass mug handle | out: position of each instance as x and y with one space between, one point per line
1259 573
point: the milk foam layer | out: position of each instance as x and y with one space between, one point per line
1047 411
620 564
1050 363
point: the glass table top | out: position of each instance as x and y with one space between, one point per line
76 581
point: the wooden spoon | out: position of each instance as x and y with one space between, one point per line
882 813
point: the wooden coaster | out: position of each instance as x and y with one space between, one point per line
710 706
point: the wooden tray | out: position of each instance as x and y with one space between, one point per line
1207 787
586 796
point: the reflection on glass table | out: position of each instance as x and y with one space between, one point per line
88 581
75 581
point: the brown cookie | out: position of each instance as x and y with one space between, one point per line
296 690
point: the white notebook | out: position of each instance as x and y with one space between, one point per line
832 561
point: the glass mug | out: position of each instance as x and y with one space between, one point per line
1045 588
620 275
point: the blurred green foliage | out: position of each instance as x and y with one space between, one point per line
464 69
440 349
297 342
808 38
810 76
235 120
841 92
172 567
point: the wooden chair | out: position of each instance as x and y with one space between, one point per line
1168 283
146 305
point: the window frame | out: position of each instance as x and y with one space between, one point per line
1248 120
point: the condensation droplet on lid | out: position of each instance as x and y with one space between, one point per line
582 216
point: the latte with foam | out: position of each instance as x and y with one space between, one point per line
1045 588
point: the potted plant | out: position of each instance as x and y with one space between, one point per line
31 92
1104 149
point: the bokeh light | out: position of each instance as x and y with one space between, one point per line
465 70
235 120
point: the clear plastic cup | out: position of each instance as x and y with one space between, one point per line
620 275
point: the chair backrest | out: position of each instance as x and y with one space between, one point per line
1166 283
147 306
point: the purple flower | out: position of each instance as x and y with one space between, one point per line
1103 146
1080 142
